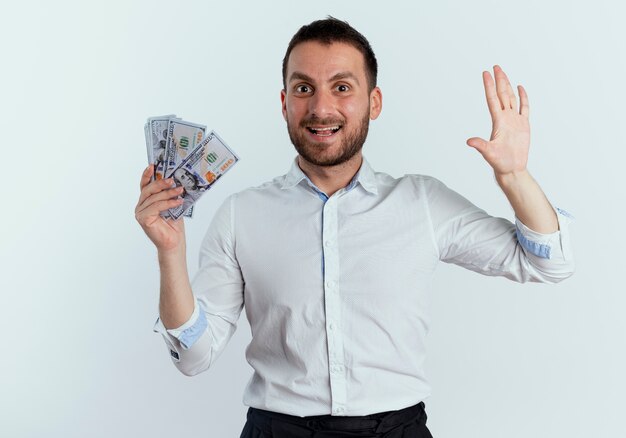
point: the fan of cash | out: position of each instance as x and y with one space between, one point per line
180 150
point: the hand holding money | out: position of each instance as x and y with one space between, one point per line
180 150
157 196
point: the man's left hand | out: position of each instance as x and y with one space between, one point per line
507 149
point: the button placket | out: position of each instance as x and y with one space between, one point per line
333 305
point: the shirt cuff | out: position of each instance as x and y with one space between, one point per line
188 333
539 244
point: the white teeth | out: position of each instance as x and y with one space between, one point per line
326 131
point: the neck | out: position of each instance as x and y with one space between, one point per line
329 179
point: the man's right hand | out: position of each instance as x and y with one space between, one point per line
157 196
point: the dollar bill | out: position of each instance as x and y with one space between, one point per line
182 138
146 133
201 169
156 142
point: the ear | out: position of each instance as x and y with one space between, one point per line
376 103
283 102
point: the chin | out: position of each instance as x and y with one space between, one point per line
326 160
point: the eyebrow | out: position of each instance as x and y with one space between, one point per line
296 75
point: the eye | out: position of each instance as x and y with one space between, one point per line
342 88
303 88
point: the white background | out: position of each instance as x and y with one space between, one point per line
79 278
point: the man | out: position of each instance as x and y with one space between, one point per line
334 272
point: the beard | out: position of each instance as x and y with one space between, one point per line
315 152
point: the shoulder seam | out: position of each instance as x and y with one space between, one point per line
430 220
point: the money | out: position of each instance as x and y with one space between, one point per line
211 159
182 138
146 132
156 142
171 143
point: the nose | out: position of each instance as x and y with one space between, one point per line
321 104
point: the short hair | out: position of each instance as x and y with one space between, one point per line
331 30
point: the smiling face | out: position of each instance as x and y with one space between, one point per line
327 103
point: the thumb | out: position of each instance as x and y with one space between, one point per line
477 143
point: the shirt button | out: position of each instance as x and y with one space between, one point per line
330 284
331 326
328 243
339 410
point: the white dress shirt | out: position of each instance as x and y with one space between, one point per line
336 289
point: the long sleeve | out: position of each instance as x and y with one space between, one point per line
467 236
337 289
218 289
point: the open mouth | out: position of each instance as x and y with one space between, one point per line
326 131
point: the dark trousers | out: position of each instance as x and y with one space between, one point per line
405 423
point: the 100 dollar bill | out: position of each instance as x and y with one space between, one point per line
182 138
200 170
156 141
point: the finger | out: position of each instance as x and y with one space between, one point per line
154 187
493 103
146 176
160 196
509 89
156 208
524 108
505 92
477 143
166 193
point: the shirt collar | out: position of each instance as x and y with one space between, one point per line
365 176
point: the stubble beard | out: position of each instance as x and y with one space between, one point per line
351 144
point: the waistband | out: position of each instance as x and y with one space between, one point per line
380 422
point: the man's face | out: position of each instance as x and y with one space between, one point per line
186 180
327 103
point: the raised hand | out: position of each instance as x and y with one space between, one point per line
157 196
507 149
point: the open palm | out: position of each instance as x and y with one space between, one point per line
507 148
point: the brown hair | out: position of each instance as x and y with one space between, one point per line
332 30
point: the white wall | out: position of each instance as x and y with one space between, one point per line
80 288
